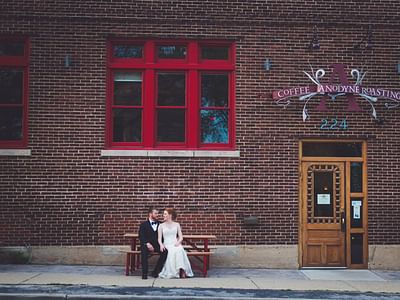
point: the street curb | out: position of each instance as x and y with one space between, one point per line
126 297
71 292
23 296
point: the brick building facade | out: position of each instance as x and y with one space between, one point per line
68 185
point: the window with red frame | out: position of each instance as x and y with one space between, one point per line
171 94
14 59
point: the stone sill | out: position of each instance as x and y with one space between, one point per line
15 152
171 153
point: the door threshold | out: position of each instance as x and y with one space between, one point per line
323 268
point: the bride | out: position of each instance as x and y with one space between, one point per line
177 264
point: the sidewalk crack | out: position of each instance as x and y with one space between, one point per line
251 280
36 275
350 285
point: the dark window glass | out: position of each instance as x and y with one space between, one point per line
11 48
214 126
356 248
323 194
128 51
10 123
341 149
171 89
356 213
10 86
172 51
127 88
210 52
171 125
127 125
214 90
356 177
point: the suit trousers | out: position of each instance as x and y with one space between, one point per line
145 258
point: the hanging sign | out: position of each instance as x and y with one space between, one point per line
331 91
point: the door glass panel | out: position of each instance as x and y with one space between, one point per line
341 149
323 192
356 213
356 177
324 195
357 248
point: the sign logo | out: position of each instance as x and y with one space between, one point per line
331 91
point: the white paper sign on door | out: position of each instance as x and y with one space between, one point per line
323 198
356 209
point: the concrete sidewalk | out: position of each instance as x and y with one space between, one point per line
18 277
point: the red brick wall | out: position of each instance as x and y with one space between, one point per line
67 194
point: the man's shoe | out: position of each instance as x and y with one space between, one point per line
144 276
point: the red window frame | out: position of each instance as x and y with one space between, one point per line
193 66
22 63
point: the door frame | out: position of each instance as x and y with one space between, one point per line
348 196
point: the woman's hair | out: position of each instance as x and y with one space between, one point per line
171 211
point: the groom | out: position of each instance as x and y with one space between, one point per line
148 236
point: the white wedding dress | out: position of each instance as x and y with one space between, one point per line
177 258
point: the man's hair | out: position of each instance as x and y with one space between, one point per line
150 210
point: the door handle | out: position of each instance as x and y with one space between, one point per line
343 221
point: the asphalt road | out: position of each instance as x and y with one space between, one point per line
13 292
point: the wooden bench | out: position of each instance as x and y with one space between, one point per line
132 261
196 246
204 262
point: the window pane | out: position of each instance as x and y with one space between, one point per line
214 126
214 90
128 88
11 48
323 194
128 51
171 89
332 149
127 125
356 177
171 125
210 52
11 123
10 86
171 51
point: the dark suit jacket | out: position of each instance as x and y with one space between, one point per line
147 234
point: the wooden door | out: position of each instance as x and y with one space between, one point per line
323 215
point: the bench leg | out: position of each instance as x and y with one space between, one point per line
127 264
205 265
132 262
